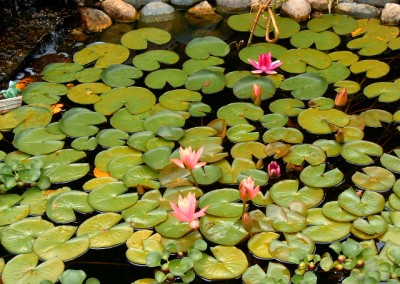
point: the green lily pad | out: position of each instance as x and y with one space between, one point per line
287 26
84 143
285 220
242 133
238 113
27 116
139 140
135 99
315 176
220 230
105 157
359 152
95 182
35 198
104 231
305 86
289 107
44 93
259 177
111 137
204 47
138 39
330 147
157 158
286 134
208 81
375 117
386 92
374 68
179 99
120 75
320 121
89 75
394 44
351 86
140 243
207 174
368 46
371 28
150 60
296 60
332 210
277 149
19 237
324 40
242 88
211 64
321 103
123 120
259 244
391 162
60 72
254 50
37 141
323 230
374 178
370 228
111 197
334 73
275 272
293 249
105 54
272 120
60 208
66 172
286 191
341 24
227 263
173 228
344 57
248 150
145 214
9 211
221 202
87 93
57 242
305 152
158 79
370 203
230 172
163 118
24 268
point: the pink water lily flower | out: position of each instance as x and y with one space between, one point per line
265 64
189 159
247 190
274 170
255 94
185 211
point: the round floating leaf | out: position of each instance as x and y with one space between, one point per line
138 39
211 64
163 118
260 177
135 99
242 88
123 120
370 203
334 73
351 86
158 79
221 203
207 174
259 244
286 134
111 197
320 121
105 157
60 72
119 165
330 147
368 46
142 176
179 99
386 92
314 155
332 210
232 77
278 149
19 237
370 228
140 243
286 191
375 117
358 152
374 178
287 26
157 158
394 44
88 93
89 75
272 120
120 75
294 249
28 116
224 231
391 162
150 60
324 40
227 263
208 81
60 208
247 150
66 173
139 140
173 228
341 24
285 220
230 172
84 143
344 57
373 68
275 271
238 113
254 50
204 47
57 242
305 86
289 107
97 181
111 137
37 141
371 28
44 93
78 122
105 54
323 230
103 230
23 268
242 133
296 60
145 214
315 176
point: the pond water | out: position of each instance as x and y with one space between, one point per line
346 150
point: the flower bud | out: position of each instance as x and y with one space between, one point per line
247 222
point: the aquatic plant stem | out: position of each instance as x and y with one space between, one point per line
194 178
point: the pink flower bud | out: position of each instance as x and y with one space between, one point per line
274 170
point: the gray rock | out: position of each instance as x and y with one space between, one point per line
137 4
184 3
391 14
319 5
298 10
233 6
377 3
157 12
119 10
358 11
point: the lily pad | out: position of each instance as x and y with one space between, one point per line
374 178
391 162
374 68
259 244
285 134
138 39
105 54
224 231
140 243
145 214
351 86
293 249
320 121
298 154
370 228
111 137
287 26
230 172
341 24
150 60
26 116
173 228
359 152
207 174
242 88
159 79
204 47
44 93
368 46
334 73
305 86
211 64
285 220
387 92
248 150
89 75
242 133
278 149
272 120
221 203
315 176
254 50
238 113
179 99
296 60
208 81
344 57
332 210
157 158
330 147
87 93
60 72
289 107
370 203
163 118
324 40
120 75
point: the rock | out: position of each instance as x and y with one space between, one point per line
376 3
94 20
157 12
119 11
138 4
298 10
184 3
391 14
319 5
77 35
358 11
233 6
202 14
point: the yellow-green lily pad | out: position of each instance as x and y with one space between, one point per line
43 92
358 152
150 60
374 178
259 244
301 153
138 39
315 176
370 203
293 249
120 75
320 121
374 68
105 54
87 93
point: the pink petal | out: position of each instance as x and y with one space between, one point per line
256 71
178 162
201 213
254 63
275 64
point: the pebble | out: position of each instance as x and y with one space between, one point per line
119 10
391 14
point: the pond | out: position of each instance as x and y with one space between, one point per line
290 160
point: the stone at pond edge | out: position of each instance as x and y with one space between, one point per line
157 12
356 10
319 5
119 10
391 14
137 4
94 20
184 3
233 6
202 14
298 10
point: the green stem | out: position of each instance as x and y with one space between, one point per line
194 178
244 207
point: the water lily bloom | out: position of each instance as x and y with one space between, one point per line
247 222
341 98
247 190
265 64
256 94
274 170
189 159
185 211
